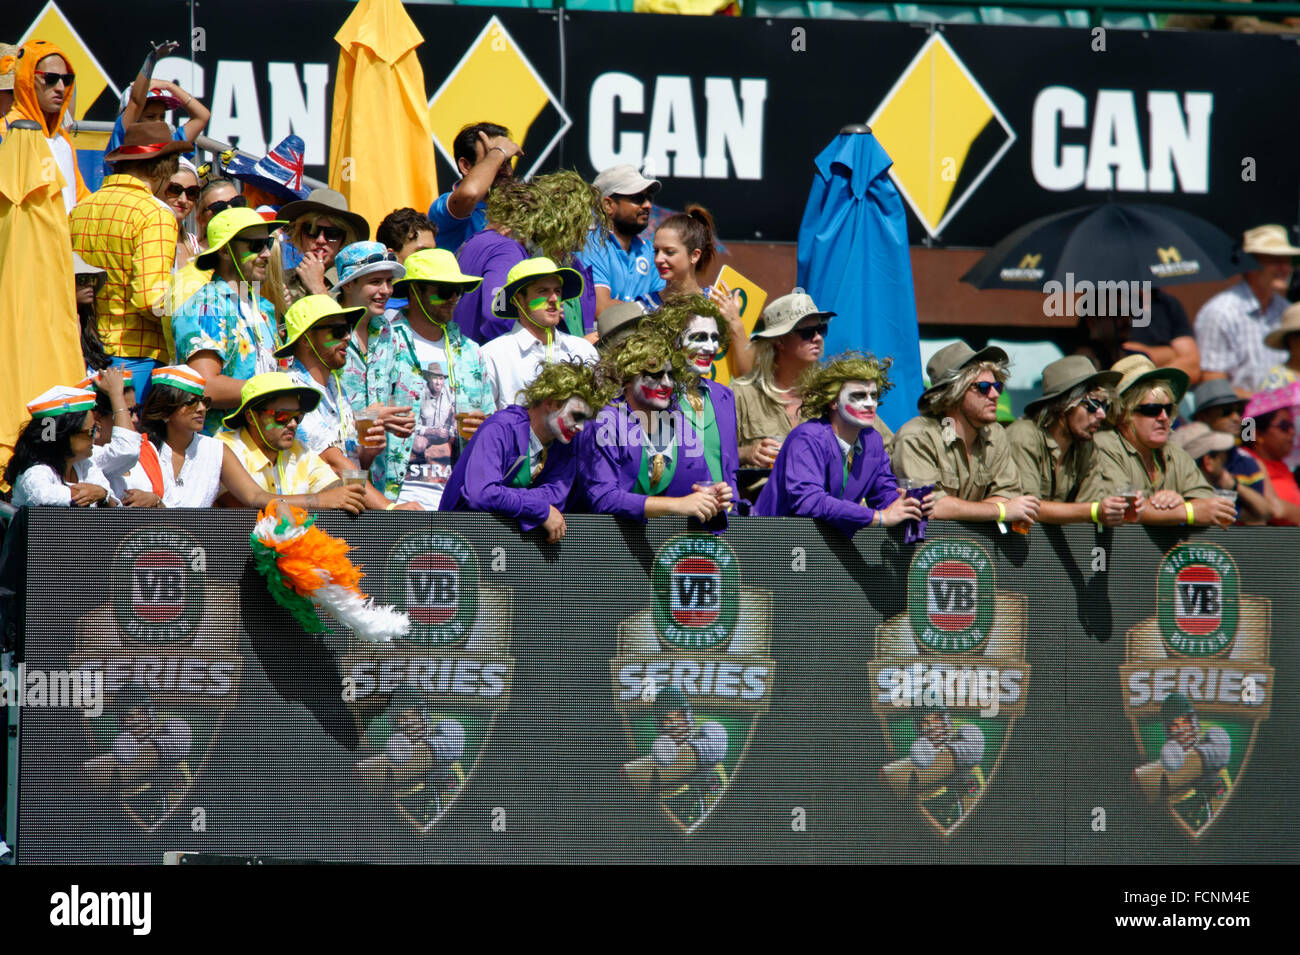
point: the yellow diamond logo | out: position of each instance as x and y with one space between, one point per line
495 82
943 132
92 79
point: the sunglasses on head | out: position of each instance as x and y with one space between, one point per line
376 257
1096 404
283 418
54 79
332 233
254 245
175 190
989 388
202 400
337 330
641 198
812 331
221 205
1153 409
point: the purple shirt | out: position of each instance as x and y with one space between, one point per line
481 479
808 478
491 255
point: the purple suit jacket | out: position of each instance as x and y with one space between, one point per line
724 408
808 479
480 481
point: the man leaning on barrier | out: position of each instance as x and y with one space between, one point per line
956 444
1052 444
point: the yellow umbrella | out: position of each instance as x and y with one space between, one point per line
40 336
381 146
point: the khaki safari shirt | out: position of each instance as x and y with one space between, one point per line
927 452
1116 462
758 416
1045 472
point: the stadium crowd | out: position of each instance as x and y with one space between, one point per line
525 348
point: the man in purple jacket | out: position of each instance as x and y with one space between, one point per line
833 466
520 463
642 458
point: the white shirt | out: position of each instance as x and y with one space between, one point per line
200 475
116 458
62 152
43 485
512 361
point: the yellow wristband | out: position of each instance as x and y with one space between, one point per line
1002 512
1095 518
391 506
1191 513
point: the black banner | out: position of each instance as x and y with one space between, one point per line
988 126
650 695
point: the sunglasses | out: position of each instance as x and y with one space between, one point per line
84 280
1152 410
255 245
442 293
640 199
221 205
337 330
283 418
812 331
331 232
1096 404
175 190
989 388
664 375
54 79
202 400
1284 426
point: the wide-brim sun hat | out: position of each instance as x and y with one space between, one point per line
310 310
146 141
266 385
952 357
327 202
1139 370
781 315
225 226
1065 374
1290 326
528 271
436 266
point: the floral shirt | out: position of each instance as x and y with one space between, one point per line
393 377
243 335
353 375
330 424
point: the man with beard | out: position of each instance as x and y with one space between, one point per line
1052 443
484 155
622 262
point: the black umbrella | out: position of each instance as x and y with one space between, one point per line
1111 242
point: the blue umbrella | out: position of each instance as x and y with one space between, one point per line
854 261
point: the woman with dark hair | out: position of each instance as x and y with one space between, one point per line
51 462
1274 438
89 279
685 250
181 467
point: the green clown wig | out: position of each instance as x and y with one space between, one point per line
648 348
676 313
551 215
573 378
820 385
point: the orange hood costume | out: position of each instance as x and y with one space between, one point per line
26 105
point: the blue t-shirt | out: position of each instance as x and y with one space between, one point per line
630 276
119 133
453 232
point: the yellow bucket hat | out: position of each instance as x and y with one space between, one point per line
265 385
435 265
227 224
530 270
306 312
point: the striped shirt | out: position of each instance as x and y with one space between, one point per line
130 234
1230 330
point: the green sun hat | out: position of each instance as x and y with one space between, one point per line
266 385
226 225
306 312
435 266
530 270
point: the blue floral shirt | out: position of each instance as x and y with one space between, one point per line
393 376
330 424
244 337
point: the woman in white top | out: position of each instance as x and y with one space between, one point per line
51 462
180 194
187 467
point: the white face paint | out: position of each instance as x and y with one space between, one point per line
702 341
567 420
857 402
654 391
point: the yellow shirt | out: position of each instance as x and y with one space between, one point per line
299 471
129 233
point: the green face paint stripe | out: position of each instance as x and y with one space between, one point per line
539 302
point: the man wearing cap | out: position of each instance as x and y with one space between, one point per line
616 323
534 294
1052 443
484 154
521 463
1137 454
956 444
622 261
226 330
1231 327
318 228
420 359
1210 450
130 234
1217 405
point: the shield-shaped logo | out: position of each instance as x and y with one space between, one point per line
950 680
1197 685
692 677
171 667
430 700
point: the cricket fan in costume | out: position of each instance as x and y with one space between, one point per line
421 762
942 768
684 766
1192 769
833 466
521 462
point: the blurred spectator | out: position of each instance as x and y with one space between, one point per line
226 330
1243 24
616 323
127 232
549 217
317 228
1273 441
533 292
89 281
483 154
366 272
52 461
1210 450
1231 326
1166 339
404 231
180 194
1285 338
956 444
149 100
42 92
622 261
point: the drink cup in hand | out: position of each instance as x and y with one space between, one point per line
1130 493
365 420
